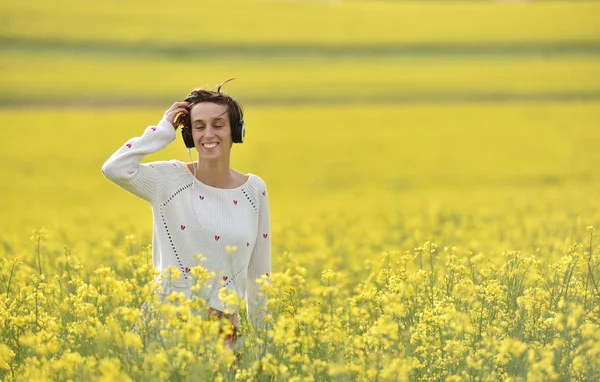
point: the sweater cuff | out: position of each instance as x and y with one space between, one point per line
166 126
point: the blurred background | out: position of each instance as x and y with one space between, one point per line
475 122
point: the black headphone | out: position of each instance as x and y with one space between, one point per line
238 130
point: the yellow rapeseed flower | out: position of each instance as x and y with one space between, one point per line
6 356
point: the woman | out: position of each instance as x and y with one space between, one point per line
203 207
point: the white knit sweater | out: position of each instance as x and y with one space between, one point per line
192 218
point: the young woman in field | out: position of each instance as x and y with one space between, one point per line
202 207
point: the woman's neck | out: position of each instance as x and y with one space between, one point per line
215 173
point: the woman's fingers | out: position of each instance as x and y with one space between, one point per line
170 115
181 110
178 105
178 118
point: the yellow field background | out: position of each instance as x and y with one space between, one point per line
321 22
433 172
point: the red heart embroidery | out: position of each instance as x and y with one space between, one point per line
225 278
182 227
187 270
201 197
128 145
235 202
217 237
175 164
268 275
264 193
247 244
154 129
265 235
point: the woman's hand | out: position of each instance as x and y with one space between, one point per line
177 108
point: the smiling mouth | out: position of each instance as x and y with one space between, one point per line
211 145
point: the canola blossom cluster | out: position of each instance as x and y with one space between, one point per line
424 314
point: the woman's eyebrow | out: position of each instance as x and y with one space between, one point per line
214 118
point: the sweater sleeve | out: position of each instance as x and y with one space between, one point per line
260 263
125 169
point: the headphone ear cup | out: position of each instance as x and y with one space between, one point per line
242 130
186 131
238 133
187 137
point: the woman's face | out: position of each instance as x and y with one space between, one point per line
211 130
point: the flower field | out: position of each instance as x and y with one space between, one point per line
391 262
434 216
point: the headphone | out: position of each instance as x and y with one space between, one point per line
238 129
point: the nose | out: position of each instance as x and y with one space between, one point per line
209 131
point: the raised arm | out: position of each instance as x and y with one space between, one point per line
260 263
124 167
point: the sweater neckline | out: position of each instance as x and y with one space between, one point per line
191 175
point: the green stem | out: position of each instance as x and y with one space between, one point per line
36 308
590 271
12 270
39 247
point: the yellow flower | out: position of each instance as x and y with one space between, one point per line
230 300
6 355
132 340
328 276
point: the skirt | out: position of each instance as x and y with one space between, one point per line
232 338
